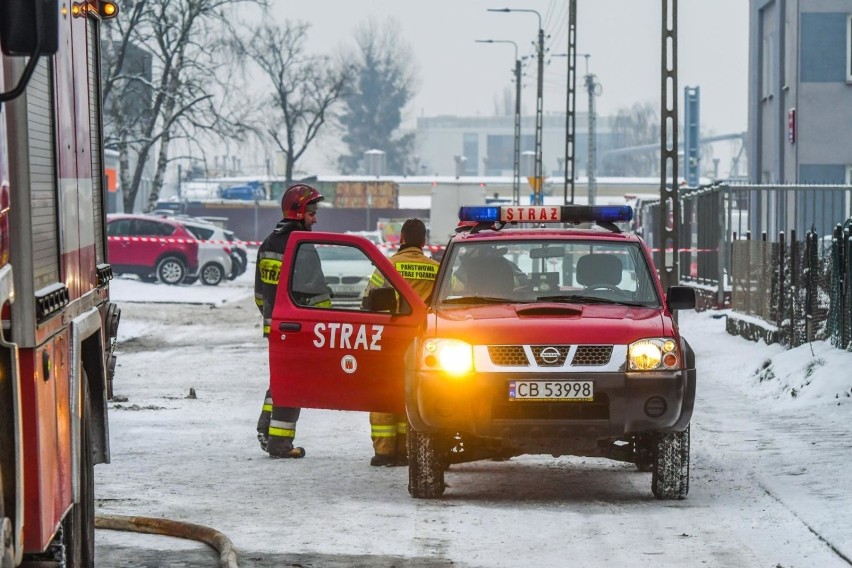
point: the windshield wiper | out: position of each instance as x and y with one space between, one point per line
480 300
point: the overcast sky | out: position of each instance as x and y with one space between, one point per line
461 77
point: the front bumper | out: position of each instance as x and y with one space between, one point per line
624 403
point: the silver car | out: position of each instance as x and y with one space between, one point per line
215 263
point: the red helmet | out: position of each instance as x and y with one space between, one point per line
296 200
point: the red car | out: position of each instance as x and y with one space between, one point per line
152 248
537 339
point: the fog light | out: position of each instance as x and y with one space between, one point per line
655 406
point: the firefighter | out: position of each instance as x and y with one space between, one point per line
388 430
276 427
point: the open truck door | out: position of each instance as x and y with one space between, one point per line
341 353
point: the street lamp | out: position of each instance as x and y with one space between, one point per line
516 180
539 105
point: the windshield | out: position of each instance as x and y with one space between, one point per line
548 271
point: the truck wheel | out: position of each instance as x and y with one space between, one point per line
78 527
670 478
425 466
212 274
171 270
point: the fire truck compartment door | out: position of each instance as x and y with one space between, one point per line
333 353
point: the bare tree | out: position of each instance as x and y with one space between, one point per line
163 63
636 126
304 87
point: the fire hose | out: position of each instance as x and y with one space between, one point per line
167 527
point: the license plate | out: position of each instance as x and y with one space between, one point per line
552 390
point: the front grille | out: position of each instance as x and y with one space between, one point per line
598 409
351 279
508 355
332 280
561 352
592 355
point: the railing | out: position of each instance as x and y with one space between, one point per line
800 290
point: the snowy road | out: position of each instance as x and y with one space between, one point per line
770 481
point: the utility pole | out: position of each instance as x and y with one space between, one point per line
593 88
538 176
570 111
539 118
516 180
669 197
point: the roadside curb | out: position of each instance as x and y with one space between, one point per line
167 527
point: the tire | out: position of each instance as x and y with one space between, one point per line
212 274
171 270
7 558
670 478
78 527
425 466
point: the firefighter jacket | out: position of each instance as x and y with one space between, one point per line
308 282
418 270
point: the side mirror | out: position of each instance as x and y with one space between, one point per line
23 22
381 300
680 298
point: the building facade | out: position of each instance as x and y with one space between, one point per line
484 146
800 91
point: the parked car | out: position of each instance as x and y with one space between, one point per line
214 255
346 270
239 254
152 248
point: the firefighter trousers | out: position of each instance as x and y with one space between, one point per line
279 424
389 434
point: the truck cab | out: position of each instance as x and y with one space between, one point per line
540 337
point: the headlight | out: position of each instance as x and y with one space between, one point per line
653 354
449 355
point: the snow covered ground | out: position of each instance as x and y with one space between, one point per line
771 455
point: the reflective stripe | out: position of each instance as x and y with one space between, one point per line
416 270
272 255
267 407
270 270
377 279
281 432
258 299
267 329
282 429
401 428
320 299
383 431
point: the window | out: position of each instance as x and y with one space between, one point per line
339 271
848 175
547 271
767 65
849 49
470 143
146 228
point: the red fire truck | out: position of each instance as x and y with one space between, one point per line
58 325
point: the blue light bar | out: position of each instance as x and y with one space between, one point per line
611 213
479 214
547 214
